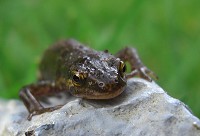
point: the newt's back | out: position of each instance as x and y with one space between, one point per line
57 56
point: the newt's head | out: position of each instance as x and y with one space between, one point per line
97 77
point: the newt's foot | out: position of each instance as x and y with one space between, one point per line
41 111
144 73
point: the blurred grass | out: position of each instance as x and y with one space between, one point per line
165 32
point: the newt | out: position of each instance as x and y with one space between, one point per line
73 67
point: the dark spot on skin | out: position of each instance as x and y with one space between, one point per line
83 60
101 84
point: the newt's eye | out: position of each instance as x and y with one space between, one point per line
122 68
78 78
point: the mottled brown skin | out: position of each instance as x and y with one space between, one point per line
86 73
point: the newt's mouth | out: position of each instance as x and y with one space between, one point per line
103 95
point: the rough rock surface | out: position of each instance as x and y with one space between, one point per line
143 109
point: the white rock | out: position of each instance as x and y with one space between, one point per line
143 109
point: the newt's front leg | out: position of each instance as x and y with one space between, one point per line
137 67
31 93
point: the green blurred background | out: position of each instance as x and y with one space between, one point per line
165 32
